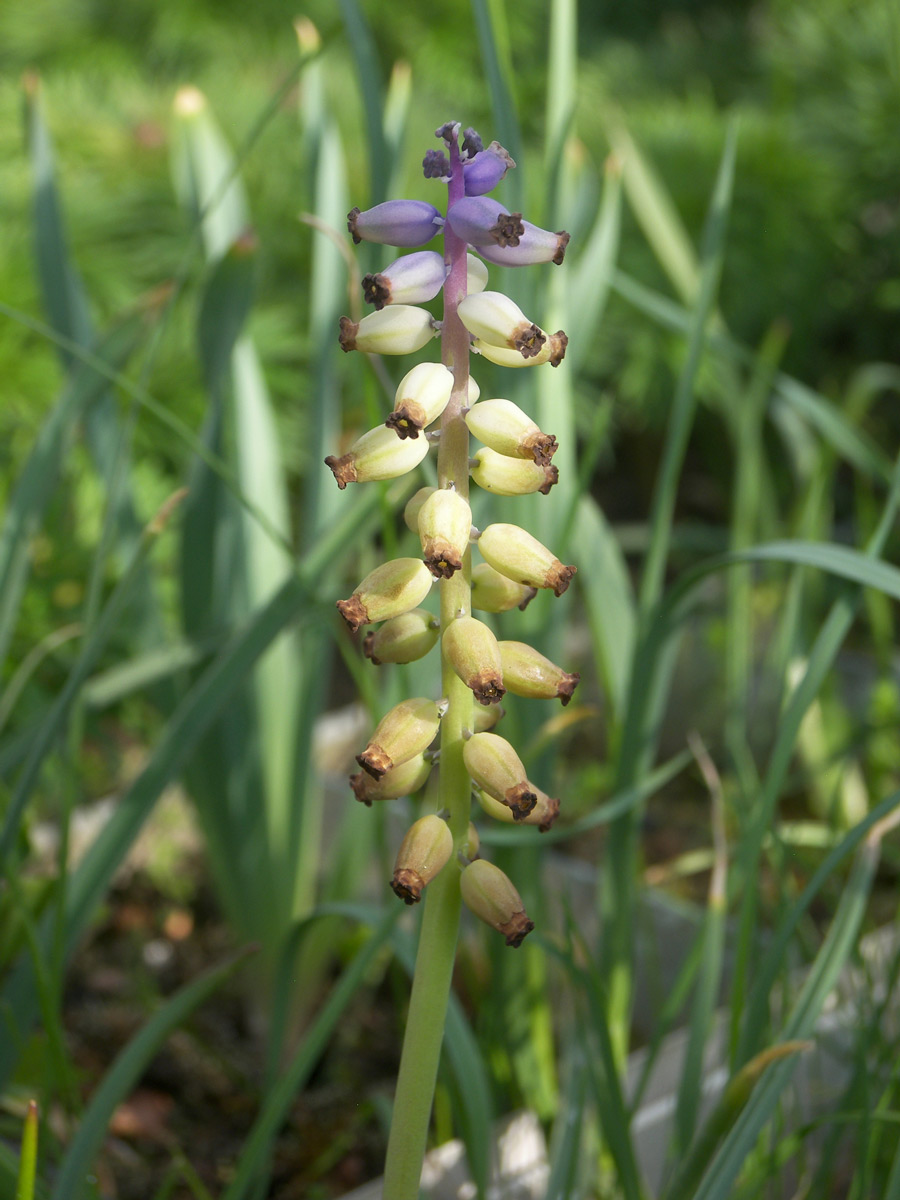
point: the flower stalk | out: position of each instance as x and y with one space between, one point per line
441 849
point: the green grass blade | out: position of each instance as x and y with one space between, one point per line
603 1079
125 1073
63 291
609 601
655 212
832 958
766 969
684 403
40 475
205 175
565 1144
853 445
368 74
690 1087
280 1096
591 277
93 645
618 880
723 1118
28 1155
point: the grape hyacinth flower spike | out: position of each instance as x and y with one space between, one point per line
440 854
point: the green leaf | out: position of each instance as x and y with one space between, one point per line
40 475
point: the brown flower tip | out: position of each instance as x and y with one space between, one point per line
488 687
349 330
351 224
407 419
516 929
559 577
529 339
375 761
508 229
377 290
551 478
443 560
520 800
541 447
407 884
532 592
369 650
558 343
360 784
343 469
353 611
561 247
567 686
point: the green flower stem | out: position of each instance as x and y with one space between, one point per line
440 924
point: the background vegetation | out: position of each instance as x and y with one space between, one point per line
147 343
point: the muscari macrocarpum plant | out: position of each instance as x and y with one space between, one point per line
440 850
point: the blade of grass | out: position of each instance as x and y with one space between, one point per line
281 1095
609 602
602 1066
723 1118
830 961
368 75
40 475
618 877
28 1154
690 1087
853 445
127 1070
90 651
565 1142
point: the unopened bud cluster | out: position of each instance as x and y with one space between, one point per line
515 458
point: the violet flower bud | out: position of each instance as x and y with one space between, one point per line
421 397
471 650
445 523
481 221
533 245
505 476
407 730
395 223
491 896
543 814
378 454
403 639
515 553
526 672
403 780
494 765
391 589
483 172
398 329
504 427
412 279
493 592
425 850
